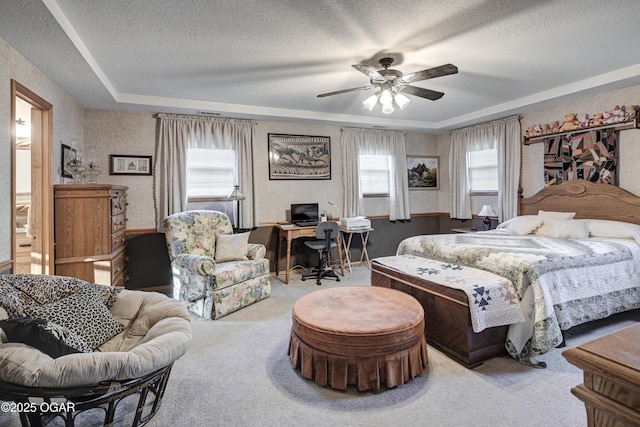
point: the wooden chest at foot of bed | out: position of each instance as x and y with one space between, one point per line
447 318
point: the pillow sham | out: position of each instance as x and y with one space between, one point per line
547 218
612 229
48 337
232 247
570 229
525 224
84 314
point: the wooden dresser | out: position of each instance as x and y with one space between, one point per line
611 388
90 226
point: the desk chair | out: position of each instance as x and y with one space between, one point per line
326 233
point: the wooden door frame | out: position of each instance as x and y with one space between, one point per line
45 134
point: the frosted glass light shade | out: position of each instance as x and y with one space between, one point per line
370 102
387 108
385 97
401 100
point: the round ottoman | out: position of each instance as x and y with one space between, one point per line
367 336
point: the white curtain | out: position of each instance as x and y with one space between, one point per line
503 135
177 133
365 141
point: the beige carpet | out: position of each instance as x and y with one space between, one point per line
237 373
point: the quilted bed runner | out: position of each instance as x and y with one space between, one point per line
492 299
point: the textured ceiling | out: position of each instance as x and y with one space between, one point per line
269 59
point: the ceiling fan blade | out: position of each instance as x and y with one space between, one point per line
423 93
371 72
322 95
443 70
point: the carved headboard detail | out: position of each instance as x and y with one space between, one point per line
586 199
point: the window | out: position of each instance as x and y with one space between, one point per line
374 174
483 170
210 173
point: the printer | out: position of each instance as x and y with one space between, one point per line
355 223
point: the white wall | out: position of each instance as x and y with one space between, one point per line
120 132
67 124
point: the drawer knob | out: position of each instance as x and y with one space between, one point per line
117 269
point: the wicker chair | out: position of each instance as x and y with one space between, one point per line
125 376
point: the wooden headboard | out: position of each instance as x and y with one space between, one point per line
586 199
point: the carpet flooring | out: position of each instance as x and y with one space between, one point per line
237 373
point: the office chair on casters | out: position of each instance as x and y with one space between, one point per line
326 233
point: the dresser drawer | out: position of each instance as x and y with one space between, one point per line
120 280
117 240
117 223
118 202
119 264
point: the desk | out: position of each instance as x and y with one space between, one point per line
290 233
346 244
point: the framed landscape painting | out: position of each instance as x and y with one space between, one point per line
423 172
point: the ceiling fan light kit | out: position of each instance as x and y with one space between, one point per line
390 83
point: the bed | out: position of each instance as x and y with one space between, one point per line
573 256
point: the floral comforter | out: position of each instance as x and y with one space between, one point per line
561 283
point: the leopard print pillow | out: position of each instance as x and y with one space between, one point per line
38 289
84 314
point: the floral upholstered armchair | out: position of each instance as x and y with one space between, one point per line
215 271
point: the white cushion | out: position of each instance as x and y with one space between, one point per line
570 229
524 224
612 229
232 247
547 218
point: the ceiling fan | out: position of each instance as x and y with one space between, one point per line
392 85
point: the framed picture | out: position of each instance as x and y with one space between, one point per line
299 157
66 155
423 172
129 165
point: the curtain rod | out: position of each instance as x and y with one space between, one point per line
374 130
504 119
201 117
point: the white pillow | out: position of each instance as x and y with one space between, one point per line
232 247
570 229
522 225
547 218
612 229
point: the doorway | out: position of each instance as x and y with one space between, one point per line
32 191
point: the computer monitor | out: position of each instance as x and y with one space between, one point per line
303 212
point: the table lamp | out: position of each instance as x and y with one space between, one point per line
487 212
237 196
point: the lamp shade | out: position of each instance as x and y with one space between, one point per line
486 211
236 194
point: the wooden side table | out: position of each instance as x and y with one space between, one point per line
611 388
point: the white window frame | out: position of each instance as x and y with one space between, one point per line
373 169
483 166
217 164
